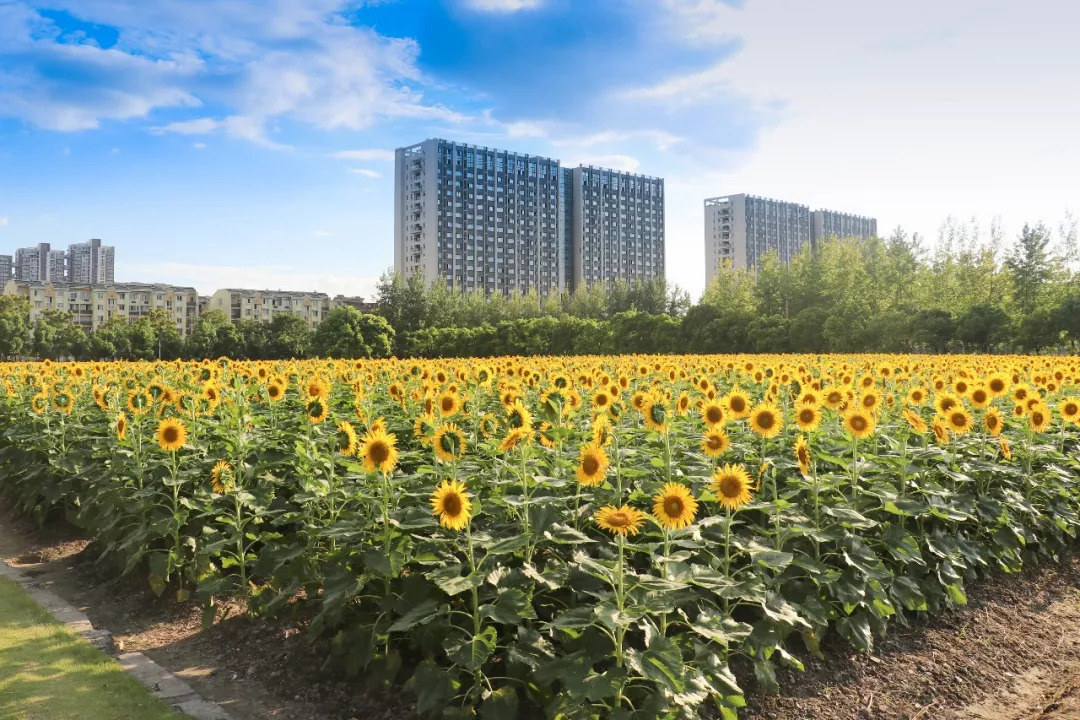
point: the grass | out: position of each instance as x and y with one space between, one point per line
49 673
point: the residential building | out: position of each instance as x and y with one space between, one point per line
91 262
264 305
31 264
91 305
56 266
478 218
829 223
7 268
740 229
354 301
617 221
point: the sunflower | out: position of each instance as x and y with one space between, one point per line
221 477
592 465
449 403
916 395
139 401
63 401
945 402
1070 410
997 384
766 420
601 430
346 438
979 396
802 455
1040 418
450 503
808 417
715 443
713 414
655 413
682 404
515 436
518 416
317 410
488 425
835 398
959 420
171 434
941 433
449 442
915 421
378 449
601 399
625 520
39 403
869 401
1006 452
674 506
992 420
275 390
121 425
316 387
737 403
859 423
732 487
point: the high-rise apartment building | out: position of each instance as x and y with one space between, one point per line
91 262
56 266
829 223
263 305
477 218
31 264
740 229
617 226
7 268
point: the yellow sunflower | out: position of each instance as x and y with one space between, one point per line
737 403
1006 452
275 391
346 438
378 450
715 443
451 504
1070 410
655 413
732 487
674 506
766 420
518 416
625 520
449 403
713 414
993 420
1040 418
959 420
859 423
514 437
802 455
171 434
139 402
941 433
39 403
449 442
915 421
121 425
808 417
592 465
221 477
317 410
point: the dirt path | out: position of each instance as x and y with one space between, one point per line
1012 654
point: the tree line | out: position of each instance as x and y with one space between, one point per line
973 292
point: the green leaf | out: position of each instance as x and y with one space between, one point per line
432 685
471 654
662 663
856 630
417 615
510 607
500 704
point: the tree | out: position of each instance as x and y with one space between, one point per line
1066 318
934 329
289 337
214 336
346 332
982 327
170 344
56 336
14 326
1031 265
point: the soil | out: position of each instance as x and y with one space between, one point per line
1013 653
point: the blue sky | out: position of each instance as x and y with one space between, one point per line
249 142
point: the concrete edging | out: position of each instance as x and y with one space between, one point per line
160 682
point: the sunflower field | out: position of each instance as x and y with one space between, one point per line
581 537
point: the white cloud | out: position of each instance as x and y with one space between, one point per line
198 126
381 155
321 233
503 6
909 112
199 145
3 221
115 151
209 278
365 172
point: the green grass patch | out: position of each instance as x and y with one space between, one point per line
49 673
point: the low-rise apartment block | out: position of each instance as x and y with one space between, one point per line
263 305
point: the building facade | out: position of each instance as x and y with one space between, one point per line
91 305
56 266
740 229
829 223
477 218
91 262
7 268
264 305
31 264
617 226
354 301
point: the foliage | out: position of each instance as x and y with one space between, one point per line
348 333
845 493
14 326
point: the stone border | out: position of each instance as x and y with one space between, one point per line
160 682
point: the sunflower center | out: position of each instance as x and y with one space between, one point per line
958 420
738 404
1071 409
806 415
766 420
858 423
170 434
619 519
714 415
803 456
452 504
997 385
714 442
447 404
731 486
673 506
590 465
